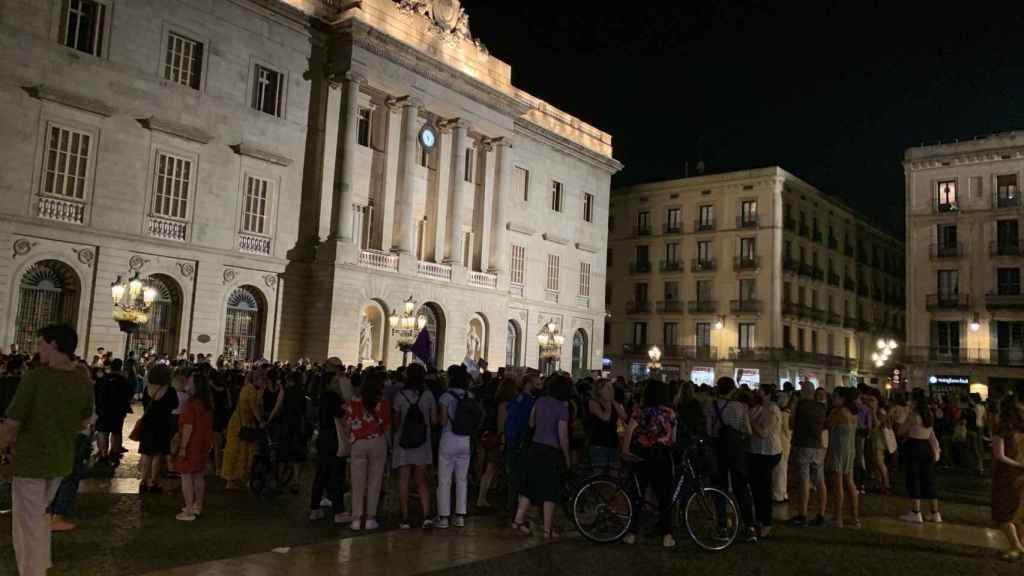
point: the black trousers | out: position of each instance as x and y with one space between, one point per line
920 470
655 471
330 480
761 468
733 468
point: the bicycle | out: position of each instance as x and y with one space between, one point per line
603 508
269 470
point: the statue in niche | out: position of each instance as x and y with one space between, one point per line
366 341
474 343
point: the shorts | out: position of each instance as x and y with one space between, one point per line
808 459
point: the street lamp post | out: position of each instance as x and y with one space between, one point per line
550 340
132 301
654 362
406 326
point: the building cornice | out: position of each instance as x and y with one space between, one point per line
520 228
243 149
556 239
606 163
71 99
183 131
1000 154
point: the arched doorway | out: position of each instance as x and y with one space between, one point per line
579 351
436 329
513 344
243 324
48 294
160 334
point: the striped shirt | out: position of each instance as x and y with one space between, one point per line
734 414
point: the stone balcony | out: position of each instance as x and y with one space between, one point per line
61 210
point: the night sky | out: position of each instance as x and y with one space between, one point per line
833 93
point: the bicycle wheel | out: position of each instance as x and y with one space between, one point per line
602 511
712 519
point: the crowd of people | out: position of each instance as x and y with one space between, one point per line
352 426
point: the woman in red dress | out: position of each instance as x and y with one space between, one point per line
196 428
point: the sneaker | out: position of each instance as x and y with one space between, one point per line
630 538
428 524
913 518
343 518
356 525
751 535
404 525
315 515
371 524
798 521
441 523
460 521
325 503
935 518
818 521
185 517
668 541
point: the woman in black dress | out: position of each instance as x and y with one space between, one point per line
219 388
157 426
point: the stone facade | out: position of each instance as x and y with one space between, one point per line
753 272
964 260
258 160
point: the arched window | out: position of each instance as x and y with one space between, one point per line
579 351
513 344
243 326
48 294
160 334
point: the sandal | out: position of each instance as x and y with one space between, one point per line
551 534
521 528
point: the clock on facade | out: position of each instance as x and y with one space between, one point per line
428 136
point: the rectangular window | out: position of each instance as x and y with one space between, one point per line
639 334
672 220
948 284
585 279
67 163
184 61
643 222
642 256
468 169
1008 281
746 335
947 336
704 252
946 235
748 249
254 214
977 186
814 341
946 198
556 195
706 218
703 290
671 291
787 338
363 136
268 91
672 252
1007 236
553 268
640 292
703 331
747 289
1006 189
521 183
748 213
588 207
517 274
800 339
173 178
83 24
670 334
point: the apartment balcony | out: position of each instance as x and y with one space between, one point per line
707 353
1004 301
833 244
642 267
638 308
745 306
850 284
698 265
834 319
746 263
703 226
956 355
442 272
793 309
948 302
672 228
747 222
1007 199
642 230
947 251
945 207
865 325
1010 247
702 307
669 307
754 354
669 266
378 260
833 279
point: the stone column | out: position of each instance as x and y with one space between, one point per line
456 195
385 216
332 120
405 228
486 206
349 141
502 189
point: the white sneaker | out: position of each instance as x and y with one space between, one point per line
668 541
315 515
629 538
185 517
460 521
913 518
325 503
441 523
371 524
935 518
356 525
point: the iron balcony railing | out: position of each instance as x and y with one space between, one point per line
669 306
698 265
1007 199
702 307
946 250
956 355
948 301
995 301
642 230
703 226
1005 247
749 306
748 221
747 263
638 307
640 267
671 266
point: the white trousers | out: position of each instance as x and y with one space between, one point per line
780 477
453 457
31 530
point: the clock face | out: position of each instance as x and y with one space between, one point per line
428 138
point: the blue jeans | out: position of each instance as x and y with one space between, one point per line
68 490
603 456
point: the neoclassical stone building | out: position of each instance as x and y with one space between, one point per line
286 174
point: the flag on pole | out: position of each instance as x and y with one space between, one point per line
421 348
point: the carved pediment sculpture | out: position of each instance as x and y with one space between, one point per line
447 18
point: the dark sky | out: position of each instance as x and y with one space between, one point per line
833 92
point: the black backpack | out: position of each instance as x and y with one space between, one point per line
414 426
469 416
